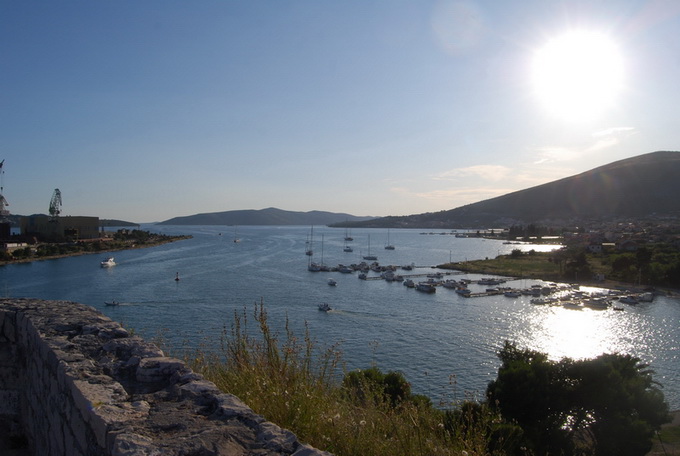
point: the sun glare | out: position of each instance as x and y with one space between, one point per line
579 75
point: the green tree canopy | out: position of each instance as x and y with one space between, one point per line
606 405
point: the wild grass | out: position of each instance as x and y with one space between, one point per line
295 384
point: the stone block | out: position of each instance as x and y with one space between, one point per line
276 438
200 389
231 407
10 378
306 450
134 445
10 402
154 370
7 354
89 396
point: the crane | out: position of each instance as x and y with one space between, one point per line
55 204
3 202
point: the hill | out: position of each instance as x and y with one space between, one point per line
269 216
638 187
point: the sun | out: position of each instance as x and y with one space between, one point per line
579 75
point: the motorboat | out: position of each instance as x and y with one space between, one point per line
409 283
111 303
452 284
108 263
324 307
426 287
629 300
332 282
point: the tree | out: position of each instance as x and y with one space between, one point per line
611 399
618 403
527 392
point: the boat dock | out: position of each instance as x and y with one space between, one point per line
482 294
413 276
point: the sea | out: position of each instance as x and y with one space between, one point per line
445 344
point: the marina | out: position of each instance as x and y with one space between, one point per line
431 337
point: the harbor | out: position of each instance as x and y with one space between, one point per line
429 336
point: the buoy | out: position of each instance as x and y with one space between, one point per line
177 277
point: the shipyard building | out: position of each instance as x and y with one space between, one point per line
59 229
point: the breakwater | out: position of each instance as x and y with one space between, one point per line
74 382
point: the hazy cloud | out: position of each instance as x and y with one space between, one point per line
615 131
488 172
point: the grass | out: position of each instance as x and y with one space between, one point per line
296 385
537 265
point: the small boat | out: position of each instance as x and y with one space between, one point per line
512 294
111 303
108 263
324 307
332 282
426 287
347 249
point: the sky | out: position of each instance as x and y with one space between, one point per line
144 111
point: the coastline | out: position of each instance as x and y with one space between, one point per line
499 267
131 246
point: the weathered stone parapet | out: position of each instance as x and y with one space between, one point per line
77 383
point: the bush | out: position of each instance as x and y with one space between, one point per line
610 400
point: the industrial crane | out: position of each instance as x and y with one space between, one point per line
55 204
3 202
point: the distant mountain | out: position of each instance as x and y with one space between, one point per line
269 216
638 187
114 222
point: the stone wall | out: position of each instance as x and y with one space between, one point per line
73 382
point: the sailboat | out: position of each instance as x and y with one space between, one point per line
369 256
236 239
316 267
308 244
348 236
388 246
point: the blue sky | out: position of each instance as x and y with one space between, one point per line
148 110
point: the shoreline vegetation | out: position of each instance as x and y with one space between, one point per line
120 240
305 388
587 270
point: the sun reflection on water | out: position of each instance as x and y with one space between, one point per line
561 332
